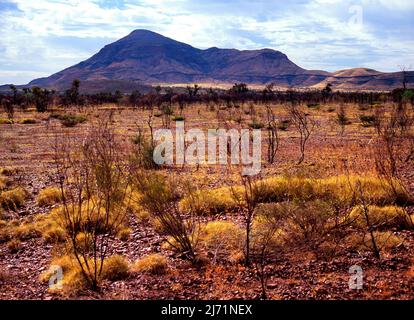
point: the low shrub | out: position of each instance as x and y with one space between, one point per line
73 279
368 120
8 171
6 121
27 121
49 196
209 202
114 268
256 125
3 183
283 125
154 263
124 234
69 120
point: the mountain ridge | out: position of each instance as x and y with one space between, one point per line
146 57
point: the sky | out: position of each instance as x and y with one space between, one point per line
41 37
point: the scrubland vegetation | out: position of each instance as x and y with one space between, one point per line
79 190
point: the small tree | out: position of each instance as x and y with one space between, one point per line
134 98
72 94
8 108
273 136
303 124
342 118
247 199
160 199
41 98
94 187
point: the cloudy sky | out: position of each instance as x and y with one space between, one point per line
40 37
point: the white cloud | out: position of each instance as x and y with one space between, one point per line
315 34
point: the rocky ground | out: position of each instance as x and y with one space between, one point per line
299 275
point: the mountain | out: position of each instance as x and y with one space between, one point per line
145 57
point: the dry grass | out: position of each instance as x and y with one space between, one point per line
13 199
72 281
223 239
153 264
14 245
385 241
49 196
340 189
115 268
382 217
124 234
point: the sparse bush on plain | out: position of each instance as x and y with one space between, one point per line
95 194
69 120
160 199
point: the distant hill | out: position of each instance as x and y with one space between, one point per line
145 57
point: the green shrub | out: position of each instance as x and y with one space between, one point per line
69 120
283 125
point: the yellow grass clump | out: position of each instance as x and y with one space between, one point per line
13 199
223 239
385 240
3 182
210 202
342 189
115 268
49 196
6 121
381 217
73 279
153 263
47 226
124 234
14 245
